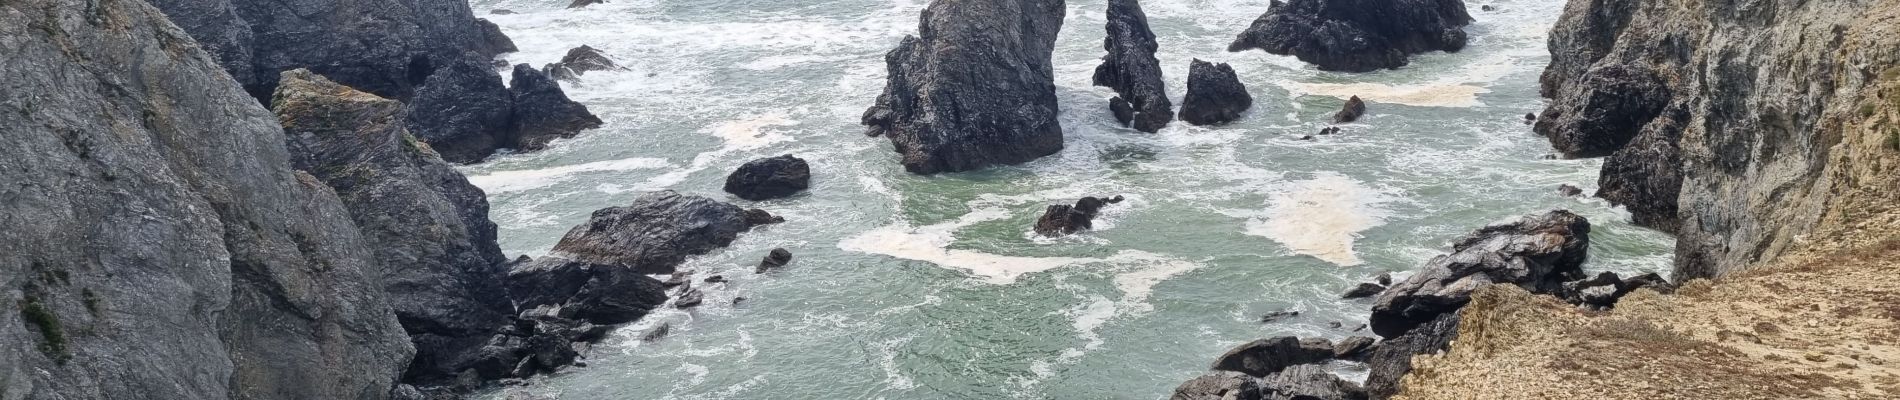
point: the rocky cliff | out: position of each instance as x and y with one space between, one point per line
159 243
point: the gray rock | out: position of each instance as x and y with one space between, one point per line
586 59
966 95
597 293
160 245
560 72
1308 382
543 112
1356 35
584 3
769 178
1352 347
1351 111
463 112
1131 68
1266 356
1214 94
1537 252
1219 385
1645 176
655 233
774 260
1392 359
1568 190
1604 110
1363 290
1061 219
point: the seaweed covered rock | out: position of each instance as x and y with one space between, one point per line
1131 68
963 95
1214 94
769 178
1538 252
1356 35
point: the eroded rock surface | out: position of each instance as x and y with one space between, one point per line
1356 35
1131 68
1537 252
542 110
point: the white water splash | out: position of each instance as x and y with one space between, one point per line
511 181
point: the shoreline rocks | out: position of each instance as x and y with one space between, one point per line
1537 252
1356 35
964 96
1130 68
769 178
586 59
655 233
543 112
1215 95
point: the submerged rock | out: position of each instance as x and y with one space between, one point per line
1060 219
1219 385
655 233
1537 252
1214 94
1131 68
774 260
1278 315
429 228
543 112
1356 35
1350 112
1267 356
962 95
586 59
769 178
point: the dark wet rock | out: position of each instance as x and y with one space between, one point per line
584 3
1537 252
1645 176
1307 137
463 112
755 217
1650 281
1360 327
596 293
774 260
964 96
1308 382
387 48
1214 94
1061 219
689 297
655 233
1352 347
1350 112
1131 68
1568 190
716 279
1330 130
502 11
678 278
1124 113
1363 290
769 178
429 228
1488 7
737 300
560 72
543 112
1356 35
1278 315
1219 385
1392 359
1266 356
586 59
1530 118
1384 279
1604 110
657 333
1583 35
157 222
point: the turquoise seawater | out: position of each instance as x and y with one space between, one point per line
933 287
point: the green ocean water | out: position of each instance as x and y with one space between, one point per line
914 287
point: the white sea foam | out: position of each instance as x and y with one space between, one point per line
894 377
931 243
511 181
1321 217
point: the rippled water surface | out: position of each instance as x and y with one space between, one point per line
912 287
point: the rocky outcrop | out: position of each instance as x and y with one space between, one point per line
1645 177
962 95
1062 219
1537 252
435 246
1351 111
1604 110
384 47
1356 35
1392 359
596 293
1132 70
543 112
1267 356
159 243
769 178
655 233
1308 382
463 112
1219 385
1214 94
586 59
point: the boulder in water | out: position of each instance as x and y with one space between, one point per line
1267 356
584 3
586 59
463 112
655 233
769 178
774 260
1363 290
963 95
1356 35
1130 68
1060 219
1214 94
1350 112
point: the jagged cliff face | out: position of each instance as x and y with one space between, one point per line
158 243
382 47
1751 129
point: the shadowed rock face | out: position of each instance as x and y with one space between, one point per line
1537 252
1214 94
1392 358
1131 68
585 59
1603 112
1267 356
543 112
655 233
429 228
974 88
1356 35
157 229
463 112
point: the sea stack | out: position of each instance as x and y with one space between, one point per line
1350 112
1132 70
1214 94
1357 35
974 88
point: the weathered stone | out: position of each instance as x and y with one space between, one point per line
1356 35
1537 252
543 112
1219 385
1604 111
1352 347
655 233
774 260
1363 290
463 112
586 59
1351 111
1061 219
962 95
769 178
1214 94
1392 359
1132 69
1308 382
1265 356
1568 190
597 293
